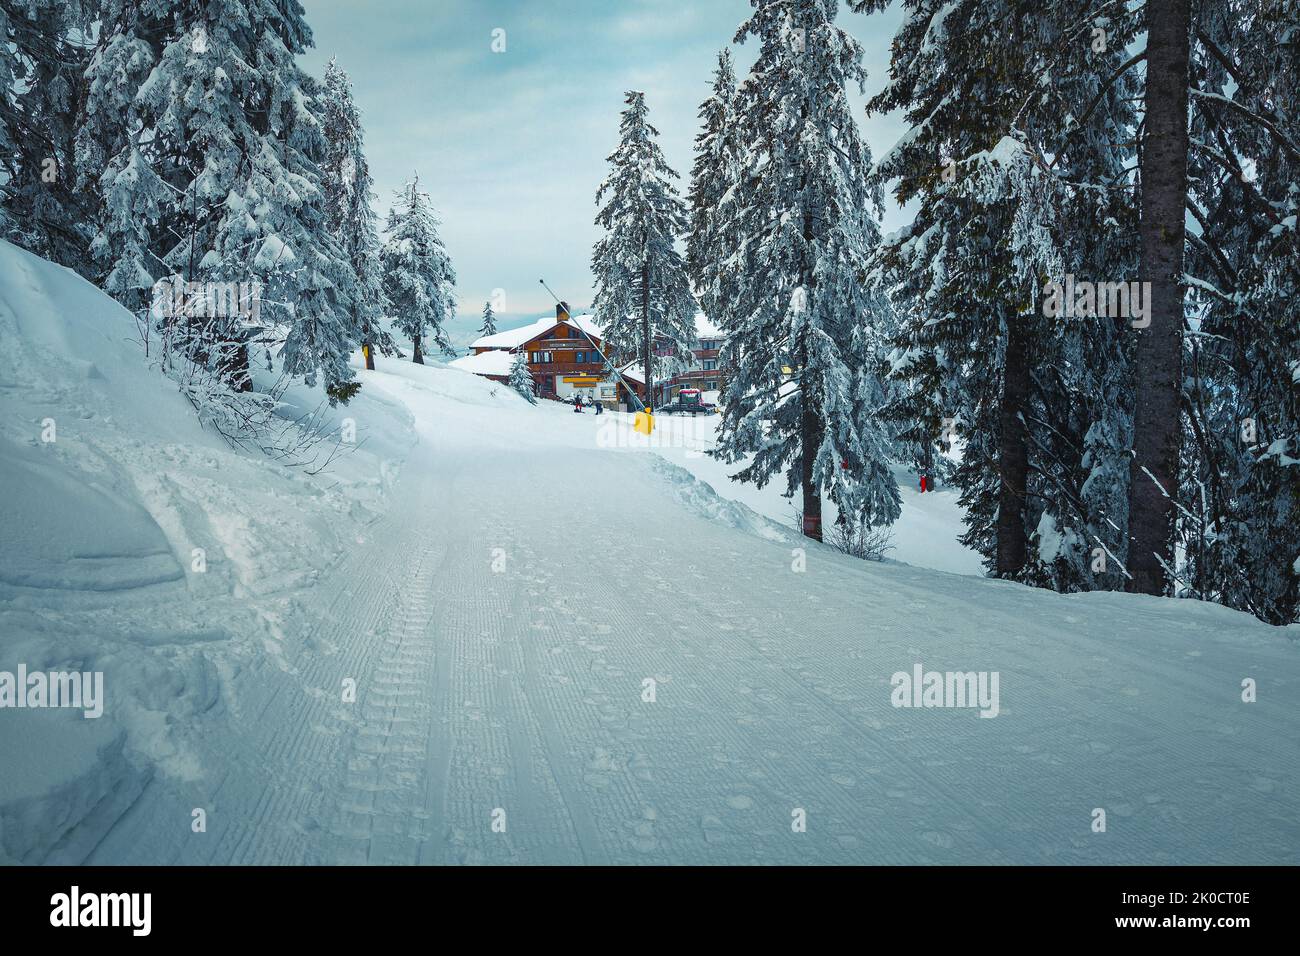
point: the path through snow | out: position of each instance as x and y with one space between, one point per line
520 689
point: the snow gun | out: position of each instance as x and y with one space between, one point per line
644 422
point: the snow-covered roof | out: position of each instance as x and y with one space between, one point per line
512 338
705 329
633 372
488 363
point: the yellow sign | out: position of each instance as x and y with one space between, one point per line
580 380
644 423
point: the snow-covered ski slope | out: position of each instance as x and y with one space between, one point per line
500 581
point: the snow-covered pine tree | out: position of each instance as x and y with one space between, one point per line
350 217
976 361
521 380
132 198
44 52
1241 463
799 394
226 118
1080 113
708 244
417 271
489 326
643 295
114 146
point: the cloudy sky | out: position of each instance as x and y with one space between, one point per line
512 145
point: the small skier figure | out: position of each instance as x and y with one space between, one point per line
577 405
925 483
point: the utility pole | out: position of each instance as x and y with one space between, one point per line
603 357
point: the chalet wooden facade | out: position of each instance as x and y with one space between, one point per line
564 358
562 354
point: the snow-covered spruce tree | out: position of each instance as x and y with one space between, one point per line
1038 403
1081 114
709 243
643 295
489 326
418 274
1241 455
44 51
345 177
116 161
521 380
800 393
227 120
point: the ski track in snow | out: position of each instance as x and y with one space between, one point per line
521 690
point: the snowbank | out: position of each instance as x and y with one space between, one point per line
135 543
925 534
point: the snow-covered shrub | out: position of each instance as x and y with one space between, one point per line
860 540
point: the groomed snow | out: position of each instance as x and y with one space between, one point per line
500 581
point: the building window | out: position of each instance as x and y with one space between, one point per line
580 356
710 365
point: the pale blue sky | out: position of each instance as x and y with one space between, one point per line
511 146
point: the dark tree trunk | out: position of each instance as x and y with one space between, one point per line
232 361
646 344
241 374
1013 453
1157 426
811 425
417 356
810 435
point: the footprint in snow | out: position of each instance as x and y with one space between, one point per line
938 838
643 833
1263 784
713 829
